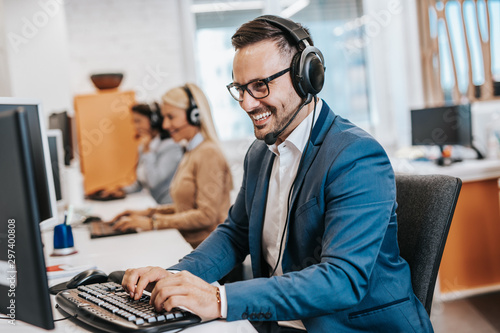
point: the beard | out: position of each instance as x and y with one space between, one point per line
280 120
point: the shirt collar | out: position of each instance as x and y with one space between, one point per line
299 136
194 142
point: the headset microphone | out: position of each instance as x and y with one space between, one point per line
270 138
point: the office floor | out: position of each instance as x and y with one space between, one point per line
478 314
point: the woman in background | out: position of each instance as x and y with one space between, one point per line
159 155
202 184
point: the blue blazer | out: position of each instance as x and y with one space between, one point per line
341 263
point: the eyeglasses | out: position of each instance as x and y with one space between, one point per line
258 88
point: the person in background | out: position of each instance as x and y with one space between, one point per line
159 155
316 210
201 186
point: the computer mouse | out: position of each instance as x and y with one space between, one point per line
87 277
116 276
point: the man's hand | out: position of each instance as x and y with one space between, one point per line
170 290
186 290
136 280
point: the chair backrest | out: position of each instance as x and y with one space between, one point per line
426 204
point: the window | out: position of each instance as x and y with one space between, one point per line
334 28
462 44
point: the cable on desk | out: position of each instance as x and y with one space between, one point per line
5 318
60 319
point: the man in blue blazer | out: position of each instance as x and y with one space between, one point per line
316 210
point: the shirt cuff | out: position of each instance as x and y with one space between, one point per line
223 302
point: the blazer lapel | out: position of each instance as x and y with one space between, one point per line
323 124
257 212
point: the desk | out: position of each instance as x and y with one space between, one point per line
156 248
470 263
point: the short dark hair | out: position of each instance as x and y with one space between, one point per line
143 109
259 30
152 111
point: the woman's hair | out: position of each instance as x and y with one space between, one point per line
178 97
260 30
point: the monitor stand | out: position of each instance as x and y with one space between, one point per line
447 160
480 156
442 160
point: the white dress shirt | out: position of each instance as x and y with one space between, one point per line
286 163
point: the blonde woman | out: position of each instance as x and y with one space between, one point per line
200 188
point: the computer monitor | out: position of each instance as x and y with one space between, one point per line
23 280
44 182
442 126
63 122
55 141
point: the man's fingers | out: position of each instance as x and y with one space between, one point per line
130 280
160 295
152 275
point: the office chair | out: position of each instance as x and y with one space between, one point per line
426 204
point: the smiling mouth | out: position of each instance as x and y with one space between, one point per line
261 118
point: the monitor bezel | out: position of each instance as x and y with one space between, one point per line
432 142
19 102
57 134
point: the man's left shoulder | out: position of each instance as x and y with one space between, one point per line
343 134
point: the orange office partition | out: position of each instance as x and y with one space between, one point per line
105 132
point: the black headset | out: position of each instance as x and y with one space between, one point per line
307 67
156 119
192 112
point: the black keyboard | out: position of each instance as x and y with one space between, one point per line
108 307
105 229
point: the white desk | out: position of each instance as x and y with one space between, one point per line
156 248
468 170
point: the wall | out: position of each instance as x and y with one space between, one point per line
140 38
35 48
394 69
49 48
4 71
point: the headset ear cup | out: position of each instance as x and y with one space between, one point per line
313 74
296 75
156 120
194 117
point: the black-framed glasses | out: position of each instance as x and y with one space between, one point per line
258 88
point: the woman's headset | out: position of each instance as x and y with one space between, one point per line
307 67
192 112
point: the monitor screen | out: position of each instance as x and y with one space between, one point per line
23 279
447 125
44 182
55 141
62 121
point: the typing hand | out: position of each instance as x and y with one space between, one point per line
133 222
136 280
145 212
186 290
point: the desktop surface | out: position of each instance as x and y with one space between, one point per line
467 170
